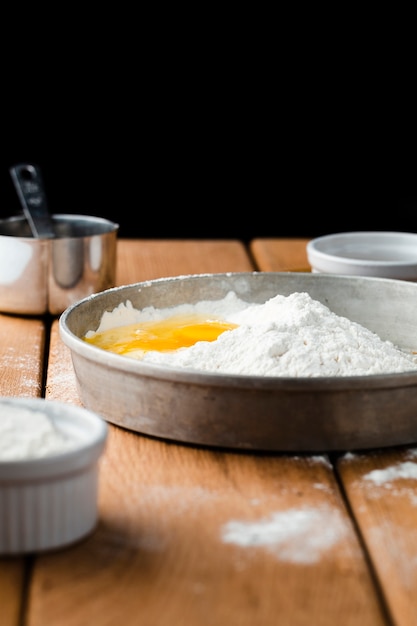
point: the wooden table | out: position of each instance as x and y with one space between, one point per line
201 537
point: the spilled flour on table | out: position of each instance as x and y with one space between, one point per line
298 535
61 381
387 476
294 336
399 479
22 366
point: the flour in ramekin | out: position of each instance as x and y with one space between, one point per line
287 336
27 434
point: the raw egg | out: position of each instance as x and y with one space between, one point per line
163 336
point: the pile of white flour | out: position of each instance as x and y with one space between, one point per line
26 434
290 336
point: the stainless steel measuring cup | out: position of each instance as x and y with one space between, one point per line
48 262
46 275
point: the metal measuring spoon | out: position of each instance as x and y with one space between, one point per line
28 182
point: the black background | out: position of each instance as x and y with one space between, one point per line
180 152
230 127
191 195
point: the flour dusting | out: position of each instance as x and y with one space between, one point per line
299 535
294 336
408 469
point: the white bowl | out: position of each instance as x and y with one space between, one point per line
48 497
374 253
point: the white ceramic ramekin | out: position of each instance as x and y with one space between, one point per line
51 501
380 254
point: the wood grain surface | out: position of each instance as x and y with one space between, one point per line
22 343
201 537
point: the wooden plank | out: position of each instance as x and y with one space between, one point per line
202 536
22 342
12 578
280 255
382 491
381 487
192 536
21 368
148 259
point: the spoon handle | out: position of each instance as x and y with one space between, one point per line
27 179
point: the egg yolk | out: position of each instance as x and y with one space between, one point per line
163 336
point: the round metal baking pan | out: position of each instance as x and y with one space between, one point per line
250 412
